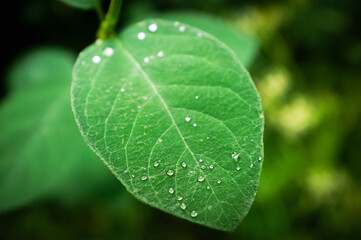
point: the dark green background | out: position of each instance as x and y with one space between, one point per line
308 72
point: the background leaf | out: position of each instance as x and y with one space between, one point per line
82 4
42 151
39 67
244 45
176 118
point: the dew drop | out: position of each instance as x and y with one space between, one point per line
208 187
171 190
211 167
188 119
184 164
219 181
194 214
141 36
122 90
196 97
146 59
260 158
194 124
262 115
251 166
200 160
153 27
182 28
160 54
133 176
183 206
235 155
203 167
201 179
143 178
156 164
179 198
238 168
96 59
108 51
170 172
160 140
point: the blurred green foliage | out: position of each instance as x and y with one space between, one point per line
308 72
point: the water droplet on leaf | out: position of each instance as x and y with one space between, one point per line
108 51
182 28
171 190
170 172
183 206
96 59
201 179
141 36
153 27
235 155
194 214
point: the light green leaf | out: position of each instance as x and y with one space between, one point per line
82 4
176 117
244 45
42 151
39 67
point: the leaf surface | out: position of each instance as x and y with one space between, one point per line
176 117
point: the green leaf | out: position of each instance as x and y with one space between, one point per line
82 4
244 45
41 149
176 117
39 67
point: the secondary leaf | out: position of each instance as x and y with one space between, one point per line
39 67
176 117
41 149
82 4
244 45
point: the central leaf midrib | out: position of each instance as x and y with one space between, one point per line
145 75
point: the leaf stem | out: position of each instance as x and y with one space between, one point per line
107 26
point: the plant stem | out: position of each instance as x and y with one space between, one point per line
107 26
